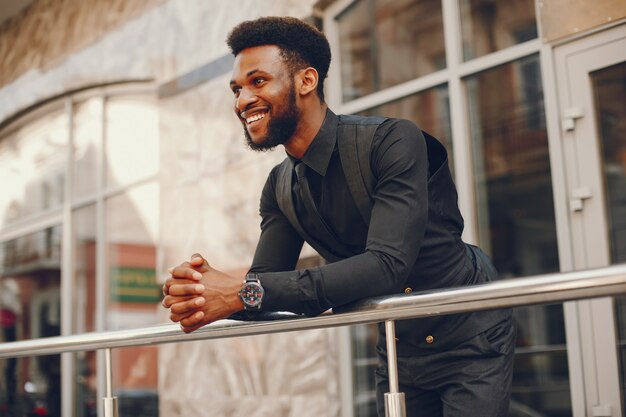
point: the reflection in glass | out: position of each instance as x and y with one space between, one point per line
135 381
511 164
384 43
132 143
530 366
491 25
131 225
364 363
86 140
30 280
32 167
610 89
429 109
84 285
134 296
609 85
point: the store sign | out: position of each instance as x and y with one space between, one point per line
134 285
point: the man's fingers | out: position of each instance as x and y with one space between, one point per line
182 290
198 260
175 281
169 301
188 307
185 272
178 317
193 322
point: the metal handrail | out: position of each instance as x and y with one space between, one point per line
539 289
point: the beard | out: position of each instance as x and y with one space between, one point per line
280 128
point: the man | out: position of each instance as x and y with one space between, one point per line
457 365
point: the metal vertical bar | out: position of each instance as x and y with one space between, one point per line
68 379
108 372
394 400
110 402
101 269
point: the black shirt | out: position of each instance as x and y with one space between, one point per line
408 244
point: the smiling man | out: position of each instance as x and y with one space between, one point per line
375 198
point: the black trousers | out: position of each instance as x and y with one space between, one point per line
473 379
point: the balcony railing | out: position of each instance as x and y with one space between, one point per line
539 289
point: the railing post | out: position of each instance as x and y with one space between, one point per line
110 402
394 400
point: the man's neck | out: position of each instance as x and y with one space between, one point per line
310 123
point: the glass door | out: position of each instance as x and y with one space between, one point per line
591 77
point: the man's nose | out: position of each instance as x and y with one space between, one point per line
246 97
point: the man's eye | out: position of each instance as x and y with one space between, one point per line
236 91
259 81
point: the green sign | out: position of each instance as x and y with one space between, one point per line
134 285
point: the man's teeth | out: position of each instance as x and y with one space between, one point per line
254 118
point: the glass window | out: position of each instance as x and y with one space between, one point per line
30 282
131 224
132 141
429 109
84 248
84 311
609 86
364 363
32 167
511 163
491 25
135 380
87 146
134 296
383 43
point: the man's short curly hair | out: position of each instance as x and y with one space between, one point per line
301 44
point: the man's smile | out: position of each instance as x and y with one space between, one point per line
255 117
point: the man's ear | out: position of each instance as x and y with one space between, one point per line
307 81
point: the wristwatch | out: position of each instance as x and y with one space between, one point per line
252 292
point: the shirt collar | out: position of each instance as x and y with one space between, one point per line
317 156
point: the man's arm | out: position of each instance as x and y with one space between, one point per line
280 244
195 289
400 164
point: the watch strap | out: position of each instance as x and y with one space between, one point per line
252 277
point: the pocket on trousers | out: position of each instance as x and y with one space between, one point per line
500 338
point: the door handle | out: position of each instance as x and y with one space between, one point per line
578 196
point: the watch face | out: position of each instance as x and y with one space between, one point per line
252 294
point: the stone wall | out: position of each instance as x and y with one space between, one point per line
47 31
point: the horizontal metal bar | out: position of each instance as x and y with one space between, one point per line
540 289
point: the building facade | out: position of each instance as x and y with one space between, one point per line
120 156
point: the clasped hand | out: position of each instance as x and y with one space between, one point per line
198 294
